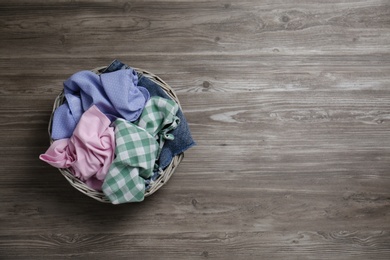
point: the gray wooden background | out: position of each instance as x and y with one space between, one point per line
289 102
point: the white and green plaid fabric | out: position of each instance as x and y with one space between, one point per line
159 118
137 149
158 113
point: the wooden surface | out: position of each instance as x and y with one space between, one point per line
289 102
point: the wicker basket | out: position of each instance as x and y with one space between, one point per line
164 175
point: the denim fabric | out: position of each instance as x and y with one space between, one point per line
183 139
116 65
156 174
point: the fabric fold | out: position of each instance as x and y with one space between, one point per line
137 148
89 152
135 155
116 94
183 139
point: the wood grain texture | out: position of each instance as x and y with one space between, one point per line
289 102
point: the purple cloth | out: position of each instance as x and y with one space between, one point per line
89 152
116 94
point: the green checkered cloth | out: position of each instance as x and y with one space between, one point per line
137 149
159 118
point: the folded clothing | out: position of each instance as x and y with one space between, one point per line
137 148
116 94
89 152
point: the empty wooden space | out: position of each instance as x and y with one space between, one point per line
289 102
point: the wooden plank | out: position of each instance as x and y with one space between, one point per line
223 245
195 210
224 73
288 101
296 28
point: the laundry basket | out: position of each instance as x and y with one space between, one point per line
155 185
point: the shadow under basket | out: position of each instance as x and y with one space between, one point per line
165 175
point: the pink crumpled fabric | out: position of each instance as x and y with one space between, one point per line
89 152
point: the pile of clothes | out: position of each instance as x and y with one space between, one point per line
116 132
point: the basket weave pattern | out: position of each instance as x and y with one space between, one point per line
164 175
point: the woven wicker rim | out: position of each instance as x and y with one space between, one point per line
154 186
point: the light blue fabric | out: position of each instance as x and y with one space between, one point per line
116 94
